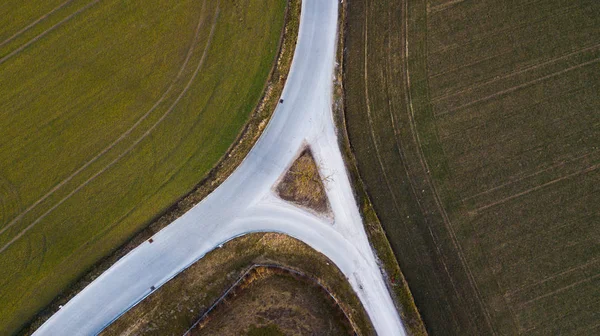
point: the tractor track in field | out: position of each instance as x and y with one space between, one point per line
47 31
530 175
129 149
515 88
245 202
516 72
115 142
538 187
38 20
428 179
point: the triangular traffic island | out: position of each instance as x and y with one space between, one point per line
303 185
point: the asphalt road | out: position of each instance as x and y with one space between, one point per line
245 202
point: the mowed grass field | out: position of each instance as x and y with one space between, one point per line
110 111
476 127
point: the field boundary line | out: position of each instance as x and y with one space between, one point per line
560 164
425 166
196 71
41 18
518 87
45 32
120 138
514 73
525 192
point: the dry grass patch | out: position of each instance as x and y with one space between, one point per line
177 305
276 300
303 185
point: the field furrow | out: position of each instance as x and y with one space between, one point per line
496 128
32 24
7 52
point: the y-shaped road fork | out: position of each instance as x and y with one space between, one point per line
245 202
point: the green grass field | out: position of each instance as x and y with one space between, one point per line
475 125
109 112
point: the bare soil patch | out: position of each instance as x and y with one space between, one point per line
274 300
303 185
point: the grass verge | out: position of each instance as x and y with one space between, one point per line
177 305
271 297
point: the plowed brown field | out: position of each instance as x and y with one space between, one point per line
476 127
